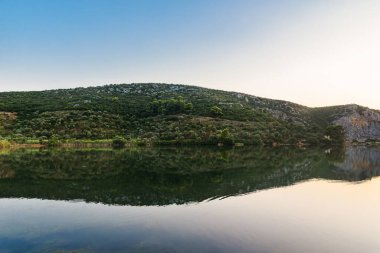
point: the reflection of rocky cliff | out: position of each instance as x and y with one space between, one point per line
360 163
167 176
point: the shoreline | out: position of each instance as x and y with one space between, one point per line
140 143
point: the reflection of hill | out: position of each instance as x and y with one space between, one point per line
167 176
360 163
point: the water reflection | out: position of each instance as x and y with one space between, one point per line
173 176
360 163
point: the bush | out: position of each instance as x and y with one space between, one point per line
169 106
53 142
334 135
216 111
118 143
256 140
4 144
226 137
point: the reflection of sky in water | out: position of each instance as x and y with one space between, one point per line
315 216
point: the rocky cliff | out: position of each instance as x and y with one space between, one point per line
361 126
359 123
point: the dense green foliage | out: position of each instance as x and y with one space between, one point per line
156 113
335 134
69 124
169 106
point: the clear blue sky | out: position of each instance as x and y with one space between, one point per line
311 52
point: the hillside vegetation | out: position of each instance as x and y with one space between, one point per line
169 114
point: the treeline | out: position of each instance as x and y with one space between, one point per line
169 106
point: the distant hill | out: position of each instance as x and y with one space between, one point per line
178 114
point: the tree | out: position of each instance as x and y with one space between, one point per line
169 106
189 107
226 137
216 111
334 135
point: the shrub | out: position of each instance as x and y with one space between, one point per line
256 140
216 111
335 135
226 137
118 143
4 144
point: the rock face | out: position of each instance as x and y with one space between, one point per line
361 124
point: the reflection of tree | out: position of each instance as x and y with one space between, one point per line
165 176
336 154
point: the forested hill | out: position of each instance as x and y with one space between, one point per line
172 114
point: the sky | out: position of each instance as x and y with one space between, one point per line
316 53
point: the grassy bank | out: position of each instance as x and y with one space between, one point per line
134 143
74 143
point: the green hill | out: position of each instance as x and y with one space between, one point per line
176 114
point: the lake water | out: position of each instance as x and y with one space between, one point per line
190 200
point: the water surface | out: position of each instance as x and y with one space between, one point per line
190 200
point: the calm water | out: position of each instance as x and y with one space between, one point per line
190 200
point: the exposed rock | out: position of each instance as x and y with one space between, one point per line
361 125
